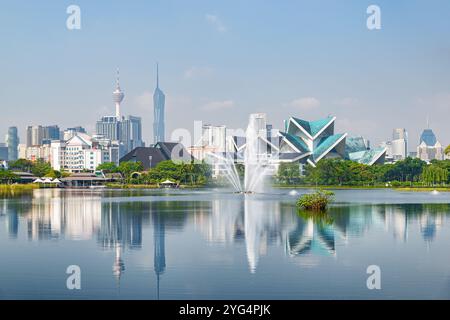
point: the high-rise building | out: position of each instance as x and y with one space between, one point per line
34 135
3 152
159 101
127 131
108 127
12 140
429 147
38 135
397 148
130 133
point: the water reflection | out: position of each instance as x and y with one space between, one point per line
257 222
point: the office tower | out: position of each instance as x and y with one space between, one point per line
159 100
34 135
38 135
130 132
12 140
108 127
3 152
118 96
399 144
429 147
50 133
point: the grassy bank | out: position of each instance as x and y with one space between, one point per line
414 188
12 189
424 189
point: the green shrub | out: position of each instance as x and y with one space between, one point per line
317 201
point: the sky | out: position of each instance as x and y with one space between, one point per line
222 60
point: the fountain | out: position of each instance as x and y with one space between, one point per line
254 159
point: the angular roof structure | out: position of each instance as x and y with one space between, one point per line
310 128
316 140
313 138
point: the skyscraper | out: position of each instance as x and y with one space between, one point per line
429 147
399 145
38 135
12 140
3 152
159 101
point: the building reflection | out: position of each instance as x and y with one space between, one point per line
256 223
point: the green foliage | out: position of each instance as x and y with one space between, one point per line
317 201
8 177
127 168
434 174
289 173
189 173
107 167
21 165
41 168
346 172
447 150
408 170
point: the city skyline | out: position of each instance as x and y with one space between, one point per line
372 81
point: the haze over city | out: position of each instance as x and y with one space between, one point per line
219 62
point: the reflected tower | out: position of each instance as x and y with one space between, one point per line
159 257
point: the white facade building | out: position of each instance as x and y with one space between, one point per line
397 148
82 152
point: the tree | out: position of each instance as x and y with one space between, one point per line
126 168
7 176
289 173
41 168
21 165
434 174
107 167
53 174
447 151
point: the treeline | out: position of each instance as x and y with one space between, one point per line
408 172
37 168
188 173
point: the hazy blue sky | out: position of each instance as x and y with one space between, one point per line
221 60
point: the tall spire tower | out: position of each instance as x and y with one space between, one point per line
118 96
159 101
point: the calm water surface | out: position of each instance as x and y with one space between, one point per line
213 244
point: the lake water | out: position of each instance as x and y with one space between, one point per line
213 244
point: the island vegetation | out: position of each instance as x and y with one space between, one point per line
317 201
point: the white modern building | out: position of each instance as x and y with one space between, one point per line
83 152
397 148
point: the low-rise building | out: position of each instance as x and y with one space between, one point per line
83 152
162 151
